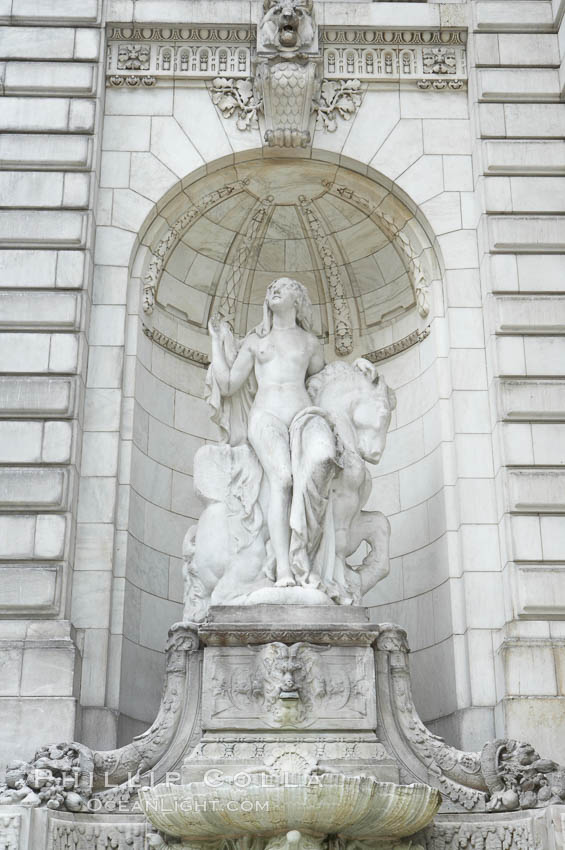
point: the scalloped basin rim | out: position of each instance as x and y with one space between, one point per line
350 806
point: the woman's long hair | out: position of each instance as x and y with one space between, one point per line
303 308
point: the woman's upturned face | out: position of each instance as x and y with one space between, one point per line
282 294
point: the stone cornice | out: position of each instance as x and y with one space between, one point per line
141 56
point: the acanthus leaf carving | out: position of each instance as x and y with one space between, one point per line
242 636
237 96
337 98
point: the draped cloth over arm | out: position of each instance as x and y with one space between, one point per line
230 413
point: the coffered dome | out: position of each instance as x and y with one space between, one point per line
346 238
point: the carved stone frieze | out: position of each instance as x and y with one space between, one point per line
494 835
235 635
179 52
285 750
292 840
65 834
297 686
408 57
404 57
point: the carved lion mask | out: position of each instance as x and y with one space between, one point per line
287 25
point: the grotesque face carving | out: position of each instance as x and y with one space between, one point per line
287 24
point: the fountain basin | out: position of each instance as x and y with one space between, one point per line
351 806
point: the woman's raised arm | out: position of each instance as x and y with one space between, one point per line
229 378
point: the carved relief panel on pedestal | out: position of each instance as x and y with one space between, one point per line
299 686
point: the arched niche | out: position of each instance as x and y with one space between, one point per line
370 263
358 248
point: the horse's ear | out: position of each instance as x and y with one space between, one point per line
367 369
391 398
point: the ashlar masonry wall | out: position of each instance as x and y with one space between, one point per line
50 118
472 479
516 54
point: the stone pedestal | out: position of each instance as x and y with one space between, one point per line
304 713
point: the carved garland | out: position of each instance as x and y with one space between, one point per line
163 250
394 232
342 315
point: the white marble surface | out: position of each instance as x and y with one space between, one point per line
451 390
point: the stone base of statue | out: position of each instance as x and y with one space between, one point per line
288 596
285 727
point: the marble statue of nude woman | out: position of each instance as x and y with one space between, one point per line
258 393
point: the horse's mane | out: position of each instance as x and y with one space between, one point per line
360 377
